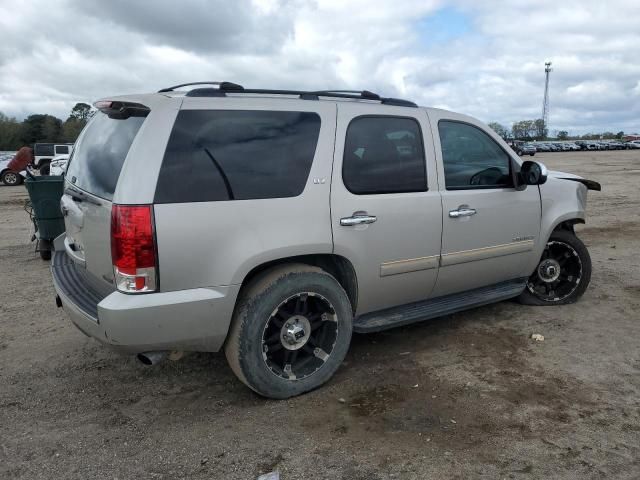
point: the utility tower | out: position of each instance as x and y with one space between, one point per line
545 102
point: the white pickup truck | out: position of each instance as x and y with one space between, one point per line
43 154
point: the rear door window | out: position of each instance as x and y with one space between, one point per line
62 149
218 155
100 153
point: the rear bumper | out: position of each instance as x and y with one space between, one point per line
195 319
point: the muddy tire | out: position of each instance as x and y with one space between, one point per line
290 331
563 272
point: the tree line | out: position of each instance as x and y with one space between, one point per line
43 128
536 130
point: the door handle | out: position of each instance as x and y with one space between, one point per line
358 218
462 211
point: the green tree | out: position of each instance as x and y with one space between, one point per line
524 130
501 130
563 135
81 111
40 128
71 129
10 133
620 134
541 131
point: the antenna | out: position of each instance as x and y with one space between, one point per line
545 101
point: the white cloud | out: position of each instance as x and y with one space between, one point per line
491 67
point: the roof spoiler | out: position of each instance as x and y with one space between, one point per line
122 110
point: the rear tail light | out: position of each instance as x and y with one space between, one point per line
133 248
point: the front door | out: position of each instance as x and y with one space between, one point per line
489 227
386 212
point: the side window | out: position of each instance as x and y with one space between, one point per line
217 155
472 159
43 149
62 149
384 155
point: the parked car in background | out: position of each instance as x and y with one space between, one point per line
43 154
313 215
10 177
59 165
525 149
634 144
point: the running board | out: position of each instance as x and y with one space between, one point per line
437 307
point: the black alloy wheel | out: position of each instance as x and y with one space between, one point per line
558 274
299 336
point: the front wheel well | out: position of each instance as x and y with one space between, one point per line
568 224
337 266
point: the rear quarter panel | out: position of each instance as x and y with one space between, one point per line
205 244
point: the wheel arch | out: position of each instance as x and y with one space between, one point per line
567 225
336 265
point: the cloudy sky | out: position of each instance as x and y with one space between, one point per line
484 58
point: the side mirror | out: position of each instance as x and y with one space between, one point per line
533 173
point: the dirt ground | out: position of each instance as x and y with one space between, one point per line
466 396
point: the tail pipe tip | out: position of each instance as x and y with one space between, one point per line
152 358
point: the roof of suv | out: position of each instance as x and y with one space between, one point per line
228 88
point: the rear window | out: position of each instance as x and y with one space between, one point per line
217 155
62 150
100 152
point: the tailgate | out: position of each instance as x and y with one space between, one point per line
92 175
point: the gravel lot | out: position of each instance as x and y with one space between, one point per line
466 396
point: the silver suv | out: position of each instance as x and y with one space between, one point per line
273 224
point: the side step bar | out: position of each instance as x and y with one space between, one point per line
437 307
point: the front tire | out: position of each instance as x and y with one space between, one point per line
563 273
11 179
290 331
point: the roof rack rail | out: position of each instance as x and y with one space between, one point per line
229 87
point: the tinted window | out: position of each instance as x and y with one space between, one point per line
472 159
216 155
100 152
62 149
43 149
384 155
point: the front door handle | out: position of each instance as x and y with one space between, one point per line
358 218
462 211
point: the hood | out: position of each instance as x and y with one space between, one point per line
590 184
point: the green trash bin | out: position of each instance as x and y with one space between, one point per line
45 192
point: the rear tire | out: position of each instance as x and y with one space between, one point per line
563 273
45 168
290 331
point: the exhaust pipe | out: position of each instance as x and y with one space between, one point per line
151 358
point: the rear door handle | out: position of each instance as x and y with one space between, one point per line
358 218
462 211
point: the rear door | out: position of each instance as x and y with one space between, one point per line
90 183
489 228
385 205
